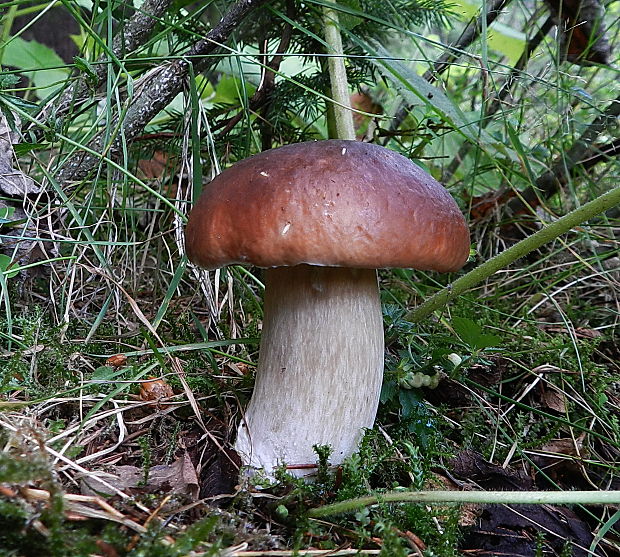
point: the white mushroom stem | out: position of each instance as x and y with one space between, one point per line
320 366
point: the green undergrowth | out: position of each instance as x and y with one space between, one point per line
44 358
37 529
482 365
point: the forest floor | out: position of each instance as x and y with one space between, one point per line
113 445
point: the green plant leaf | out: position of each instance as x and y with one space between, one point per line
228 91
348 20
418 420
409 402
30 55
5 264
41 64
507 40
106 373
25 148
415 90
6 214
500 37
388 391
7 80
84 66
472 334
12 102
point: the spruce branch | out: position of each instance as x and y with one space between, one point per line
268 83
155 90
546 234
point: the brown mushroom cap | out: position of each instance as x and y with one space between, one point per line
331 203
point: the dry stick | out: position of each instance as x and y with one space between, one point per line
491 497
133 35
506 89
156 90
600 153
546 183
546 234
469 35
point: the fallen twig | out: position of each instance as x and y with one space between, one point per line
549 182
134 34
81 507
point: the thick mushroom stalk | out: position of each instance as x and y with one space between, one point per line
320 366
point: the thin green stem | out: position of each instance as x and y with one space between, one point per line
7 25
491 497
338 76
501 261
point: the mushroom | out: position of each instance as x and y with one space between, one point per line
321 217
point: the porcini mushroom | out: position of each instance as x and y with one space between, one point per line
321 217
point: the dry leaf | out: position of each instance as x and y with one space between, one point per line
553 399
118 360
414 540
240 368
156 390
364 125
121 477
511 530
472 466
559 458
565 446
160 165
469 514
179 477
